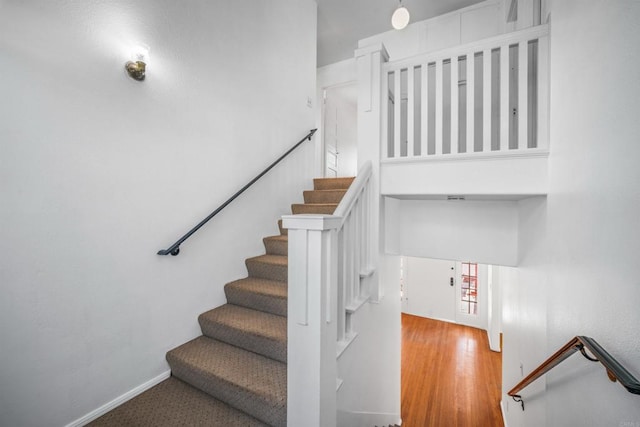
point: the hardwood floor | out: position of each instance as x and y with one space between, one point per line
449 375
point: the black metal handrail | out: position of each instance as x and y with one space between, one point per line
175 248
615 371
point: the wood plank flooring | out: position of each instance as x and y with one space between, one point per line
450 378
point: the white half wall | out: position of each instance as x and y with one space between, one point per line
98 172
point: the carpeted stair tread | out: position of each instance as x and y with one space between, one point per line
175 403
313 208
332 183
323 196
252 330
244 380
276 245
272 267
259 294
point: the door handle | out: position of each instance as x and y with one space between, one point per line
451 281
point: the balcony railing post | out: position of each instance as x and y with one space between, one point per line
312 313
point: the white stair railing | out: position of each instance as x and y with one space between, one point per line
329 258
484 98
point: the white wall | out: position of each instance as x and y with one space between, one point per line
370 367
482 231
524 316
98 172
594 200
465 25
428 289
590 218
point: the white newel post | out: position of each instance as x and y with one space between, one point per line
312 314
369 62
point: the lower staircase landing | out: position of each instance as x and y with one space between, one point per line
235 373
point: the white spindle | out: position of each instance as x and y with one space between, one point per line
543 92
504 98
439 107
471 107
397 122
424 110
455 142
523 91
385 115
353 279
486 100
410 113
341 314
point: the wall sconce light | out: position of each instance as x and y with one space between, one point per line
400 17
138 64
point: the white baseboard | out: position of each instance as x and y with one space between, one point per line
367 419
119 400
504 418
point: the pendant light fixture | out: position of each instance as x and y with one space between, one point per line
400 17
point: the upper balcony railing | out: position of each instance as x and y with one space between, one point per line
480 99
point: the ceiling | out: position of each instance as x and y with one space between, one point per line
341 23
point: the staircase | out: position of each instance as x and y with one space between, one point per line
235 373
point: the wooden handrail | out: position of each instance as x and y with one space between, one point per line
615 371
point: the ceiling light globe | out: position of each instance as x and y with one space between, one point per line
400 18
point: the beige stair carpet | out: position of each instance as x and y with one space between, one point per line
235 374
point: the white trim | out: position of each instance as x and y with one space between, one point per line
504 417
342 345
455 157
367 419
119 400
477 46
491 344
356 305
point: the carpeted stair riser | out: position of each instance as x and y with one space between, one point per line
175 403
246 328
244 380
272 267
283 231
276 245
313 208
323 196
259 294
332 183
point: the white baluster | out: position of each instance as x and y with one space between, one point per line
486 100
543 92
397 122
439 107
504 98
523 91
410 113
424 110
384 107
455 142
471 106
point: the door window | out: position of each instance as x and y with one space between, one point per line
469 289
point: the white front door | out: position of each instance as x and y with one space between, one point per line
471 294
429 288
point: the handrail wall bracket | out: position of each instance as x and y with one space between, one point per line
615 371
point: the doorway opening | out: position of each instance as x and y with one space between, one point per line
451 313
340 130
